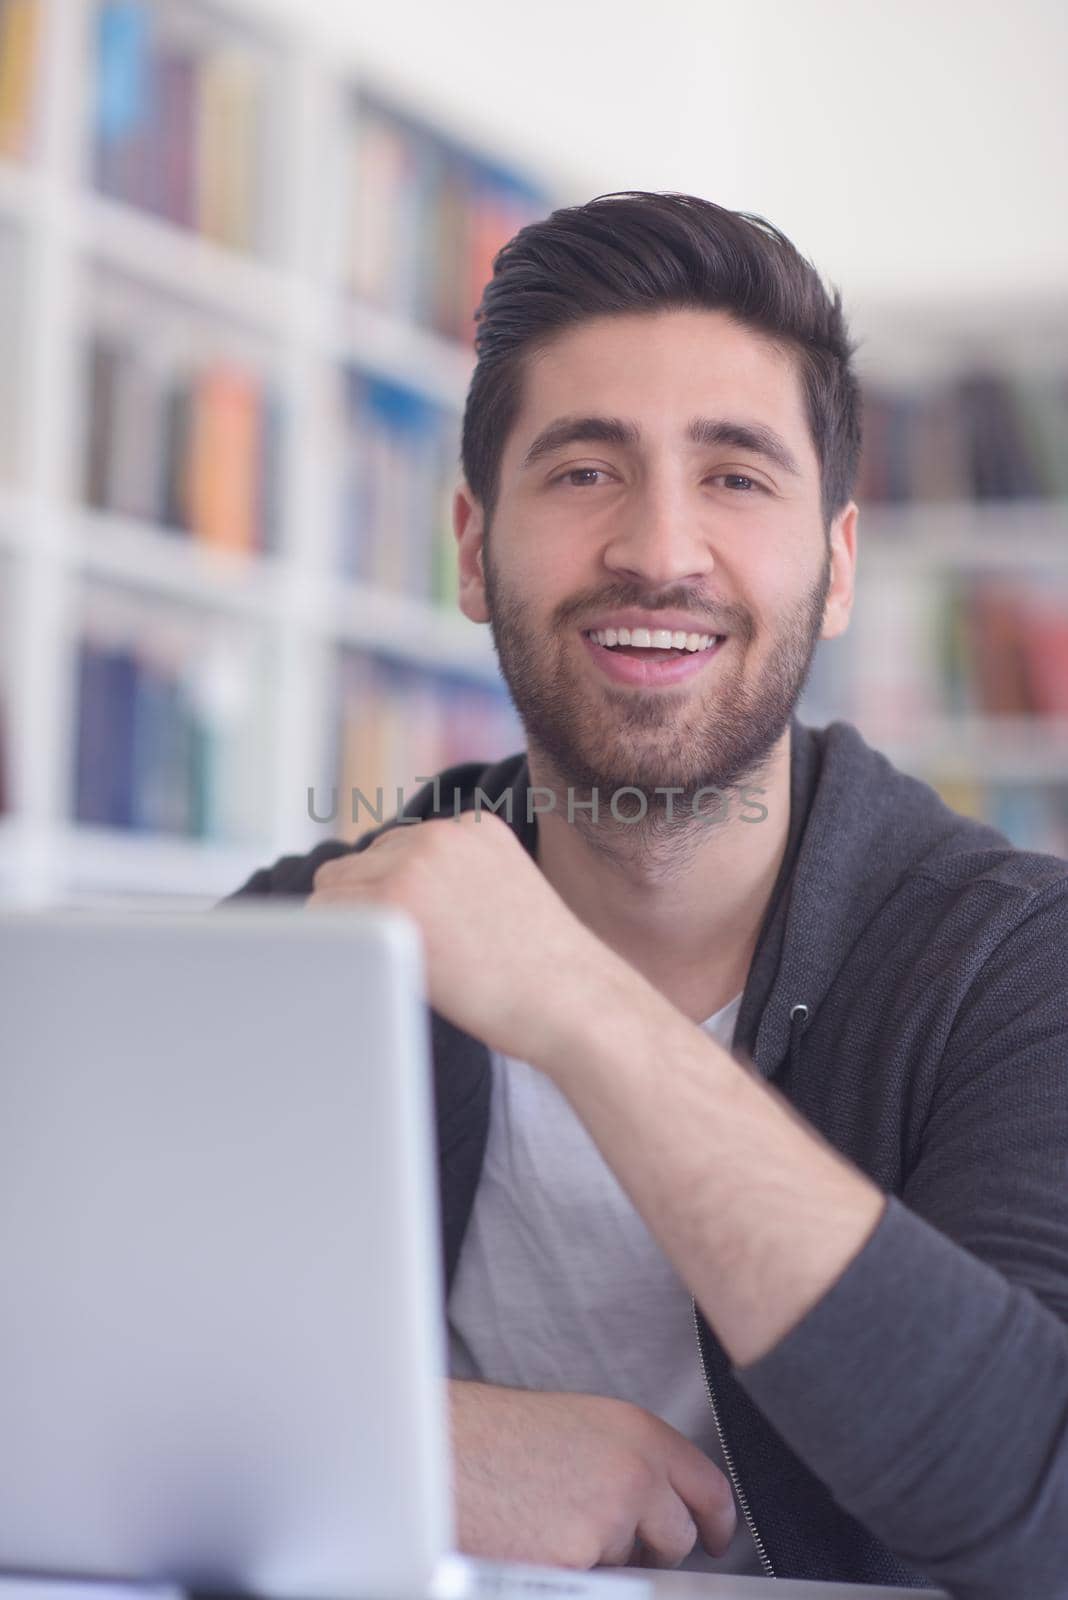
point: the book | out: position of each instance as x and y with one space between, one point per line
176 190
123 99
399 457
19 20
994 658
1043 645
178 126
222 465
426 219
173 722
105 720
986 435
197 451
397 723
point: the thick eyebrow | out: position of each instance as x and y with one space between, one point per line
755 437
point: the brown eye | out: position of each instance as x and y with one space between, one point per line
740 476
575 472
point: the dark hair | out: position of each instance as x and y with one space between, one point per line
635 251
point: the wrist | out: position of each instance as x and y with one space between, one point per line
594 989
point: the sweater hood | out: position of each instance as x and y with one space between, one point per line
857 827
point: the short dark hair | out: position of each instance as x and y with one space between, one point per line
634 251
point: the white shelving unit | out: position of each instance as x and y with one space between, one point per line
290 304
54 548
909 552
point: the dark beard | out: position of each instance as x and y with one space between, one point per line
602 739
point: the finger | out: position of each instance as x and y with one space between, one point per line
667 1533
707 1494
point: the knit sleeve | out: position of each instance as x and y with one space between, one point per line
929 1386
290 875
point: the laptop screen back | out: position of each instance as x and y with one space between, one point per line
221 1340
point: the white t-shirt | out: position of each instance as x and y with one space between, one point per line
560 1286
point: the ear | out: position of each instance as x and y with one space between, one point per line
839 603
467 525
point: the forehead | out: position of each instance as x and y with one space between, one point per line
660 369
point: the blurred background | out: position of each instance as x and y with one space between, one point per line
240 248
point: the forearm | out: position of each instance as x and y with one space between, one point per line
924 1388
757 1213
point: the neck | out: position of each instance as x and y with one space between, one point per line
684 905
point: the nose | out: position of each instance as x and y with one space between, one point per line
662 536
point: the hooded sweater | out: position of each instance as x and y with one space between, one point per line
908 994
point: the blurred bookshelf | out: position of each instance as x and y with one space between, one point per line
238 281
955 662
229 435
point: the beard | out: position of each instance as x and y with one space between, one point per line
590 736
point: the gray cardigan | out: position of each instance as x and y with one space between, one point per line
909 995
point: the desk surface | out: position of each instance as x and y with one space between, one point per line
726 1586
635 1585
494 1582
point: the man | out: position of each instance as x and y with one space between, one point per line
678 894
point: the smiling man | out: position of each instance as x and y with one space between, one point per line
751 1056
684 498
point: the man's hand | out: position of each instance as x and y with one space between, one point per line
506 960
579 1480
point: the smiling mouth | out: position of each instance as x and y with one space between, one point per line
640 667
701 644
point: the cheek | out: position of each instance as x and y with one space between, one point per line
539 572
774 579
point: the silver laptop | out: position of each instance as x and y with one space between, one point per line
221 1344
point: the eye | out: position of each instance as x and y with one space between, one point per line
588 472
575 472
743 477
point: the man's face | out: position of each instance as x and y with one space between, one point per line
715 535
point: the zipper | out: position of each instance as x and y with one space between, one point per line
735 1481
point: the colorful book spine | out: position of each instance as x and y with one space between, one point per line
1031 816
985 436
171 739
223 462
19 23
397 723
179 131
400 456
104 771
199 452
427 219
1017 644
964 644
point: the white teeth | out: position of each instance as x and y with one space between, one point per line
656 639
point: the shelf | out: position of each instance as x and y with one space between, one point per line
412 631
1019 750
1013 533
124 550
87 260
257 295
20 192
184 264
418 359
105 860
91 861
